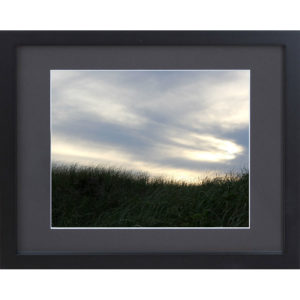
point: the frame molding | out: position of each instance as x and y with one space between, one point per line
10 40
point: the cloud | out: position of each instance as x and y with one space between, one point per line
216 150
182 124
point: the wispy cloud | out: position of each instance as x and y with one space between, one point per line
183 124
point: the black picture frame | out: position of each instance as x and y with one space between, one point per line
10 40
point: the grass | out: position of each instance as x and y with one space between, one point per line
105 197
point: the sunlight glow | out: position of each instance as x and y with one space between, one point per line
219 149
84 156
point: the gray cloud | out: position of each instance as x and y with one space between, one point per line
177 121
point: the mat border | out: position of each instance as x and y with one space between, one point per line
10 40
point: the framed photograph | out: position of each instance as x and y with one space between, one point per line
149 149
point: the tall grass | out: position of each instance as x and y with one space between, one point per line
106 197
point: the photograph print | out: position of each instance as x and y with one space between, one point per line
150 148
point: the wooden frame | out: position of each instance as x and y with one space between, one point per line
9 41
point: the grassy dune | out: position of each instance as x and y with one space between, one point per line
103 197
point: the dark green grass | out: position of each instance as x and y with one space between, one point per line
104 197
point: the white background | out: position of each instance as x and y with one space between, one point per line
149 15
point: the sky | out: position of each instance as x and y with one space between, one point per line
183 125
